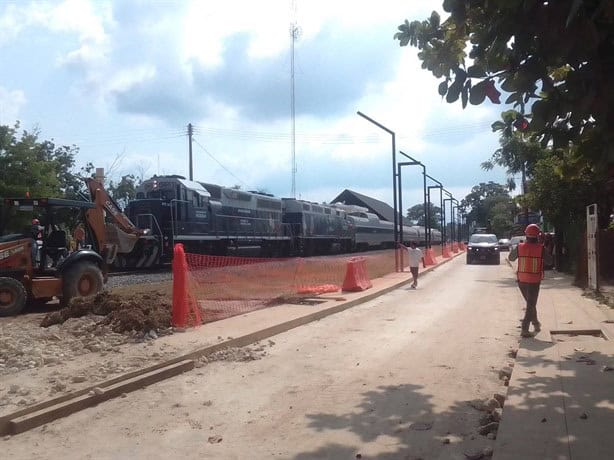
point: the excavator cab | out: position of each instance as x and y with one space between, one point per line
48 249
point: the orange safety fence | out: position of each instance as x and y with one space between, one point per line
221 287
185 310
356 277
429 257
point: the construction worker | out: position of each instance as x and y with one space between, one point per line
530 273
36 233
79 236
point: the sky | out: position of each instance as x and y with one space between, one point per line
121 79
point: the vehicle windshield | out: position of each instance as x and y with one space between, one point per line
517 239
17 220
483 239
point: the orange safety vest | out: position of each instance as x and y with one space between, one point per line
530 263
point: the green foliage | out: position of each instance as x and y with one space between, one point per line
553 59
490 205
416 214
125 188
518 150
37 167
562 199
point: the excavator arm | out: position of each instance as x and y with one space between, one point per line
119 235
101 198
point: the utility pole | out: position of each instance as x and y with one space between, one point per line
190 131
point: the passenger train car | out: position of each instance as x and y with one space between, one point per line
211 219
372 232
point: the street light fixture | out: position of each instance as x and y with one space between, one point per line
418 163
440 187
450 198
454 235
399 166
394 183
455 211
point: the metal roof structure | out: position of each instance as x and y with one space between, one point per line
381 209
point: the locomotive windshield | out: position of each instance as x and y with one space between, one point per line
162 194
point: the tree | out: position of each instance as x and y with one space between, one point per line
124 190
38 168
416 215
553 59
490 205
518 152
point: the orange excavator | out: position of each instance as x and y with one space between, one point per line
51 247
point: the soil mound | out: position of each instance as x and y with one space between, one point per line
138 312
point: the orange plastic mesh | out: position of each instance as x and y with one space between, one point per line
229 286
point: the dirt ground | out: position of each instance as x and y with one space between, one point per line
406 375
50 351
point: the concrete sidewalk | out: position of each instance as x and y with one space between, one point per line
560 402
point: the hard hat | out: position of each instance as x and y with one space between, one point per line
35 222
532 230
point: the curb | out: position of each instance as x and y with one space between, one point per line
53 409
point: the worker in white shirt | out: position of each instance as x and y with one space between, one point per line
415 256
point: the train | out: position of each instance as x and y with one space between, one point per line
213 219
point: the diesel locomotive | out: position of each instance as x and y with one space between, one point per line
212 219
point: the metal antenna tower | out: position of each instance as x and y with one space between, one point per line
295 32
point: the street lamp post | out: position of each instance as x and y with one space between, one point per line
416 162
428 199
454 219
399 166
394 183
440 187
443 207
455 211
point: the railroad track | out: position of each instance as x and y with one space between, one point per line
167 268
141 271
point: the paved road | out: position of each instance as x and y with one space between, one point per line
388 379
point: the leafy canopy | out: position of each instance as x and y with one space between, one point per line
37 167
416 214
553 59
490 205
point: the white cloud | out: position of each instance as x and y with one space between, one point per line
11 103
80 17
12 22
134 64
124 79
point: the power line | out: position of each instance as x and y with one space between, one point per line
333 139
128 140
218 162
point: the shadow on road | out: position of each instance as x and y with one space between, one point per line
401 419
400 422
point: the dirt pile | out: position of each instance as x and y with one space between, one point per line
138 312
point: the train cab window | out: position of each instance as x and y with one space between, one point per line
162 194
